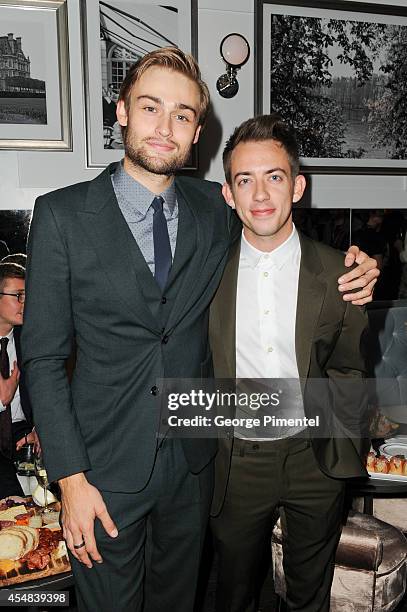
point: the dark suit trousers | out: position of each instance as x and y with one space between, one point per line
264 477
9 484
153 563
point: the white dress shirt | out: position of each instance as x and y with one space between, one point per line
17 413
266 307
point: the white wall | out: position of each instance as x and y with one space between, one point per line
25 175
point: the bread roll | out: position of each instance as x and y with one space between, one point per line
382 465
370 461
396 465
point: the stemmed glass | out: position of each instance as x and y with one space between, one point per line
42 477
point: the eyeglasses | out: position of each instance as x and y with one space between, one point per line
20 296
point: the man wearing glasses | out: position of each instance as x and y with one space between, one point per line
16 426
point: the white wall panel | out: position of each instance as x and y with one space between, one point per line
25 175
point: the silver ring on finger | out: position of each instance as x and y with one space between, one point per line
78 546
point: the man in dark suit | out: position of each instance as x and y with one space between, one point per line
277 315
127 265
16 427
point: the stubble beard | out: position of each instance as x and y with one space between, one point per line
139 157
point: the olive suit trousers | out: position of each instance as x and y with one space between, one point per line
267 477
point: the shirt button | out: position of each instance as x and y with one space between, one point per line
266 312
270 349
164 339
154 390
163 300
266 256
265 274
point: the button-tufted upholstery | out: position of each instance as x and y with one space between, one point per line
386 357
370 566
386 352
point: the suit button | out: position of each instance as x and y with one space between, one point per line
164 339
163 300
154 390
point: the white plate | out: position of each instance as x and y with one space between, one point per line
398 414
394 477
394 446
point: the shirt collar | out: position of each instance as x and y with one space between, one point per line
10 335
279 257
138 198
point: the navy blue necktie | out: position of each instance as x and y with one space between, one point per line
162 247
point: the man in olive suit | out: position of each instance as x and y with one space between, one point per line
277 315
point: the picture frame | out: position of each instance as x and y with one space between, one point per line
35 106
14 228
333 70
115 33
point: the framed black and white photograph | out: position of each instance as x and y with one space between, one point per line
34 75
116 33
14 226
337 71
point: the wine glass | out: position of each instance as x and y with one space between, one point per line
42 477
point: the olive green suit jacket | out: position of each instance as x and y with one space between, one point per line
328 338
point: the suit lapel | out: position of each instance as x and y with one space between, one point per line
17 342
224 308
194 241
24 399
120 257
311 294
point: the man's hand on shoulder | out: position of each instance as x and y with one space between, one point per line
81 504
363 277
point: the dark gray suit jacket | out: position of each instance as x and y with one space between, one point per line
328 337
88 282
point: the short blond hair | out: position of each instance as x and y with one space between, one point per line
173 59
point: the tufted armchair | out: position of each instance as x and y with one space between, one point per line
386 356
370 566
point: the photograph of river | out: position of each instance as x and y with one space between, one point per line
340 79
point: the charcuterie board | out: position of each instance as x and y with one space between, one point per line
31 542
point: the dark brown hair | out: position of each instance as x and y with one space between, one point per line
173 59
10 270
258 129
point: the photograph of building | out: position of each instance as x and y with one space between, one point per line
22 98
13 62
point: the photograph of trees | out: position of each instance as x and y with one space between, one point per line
341 82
